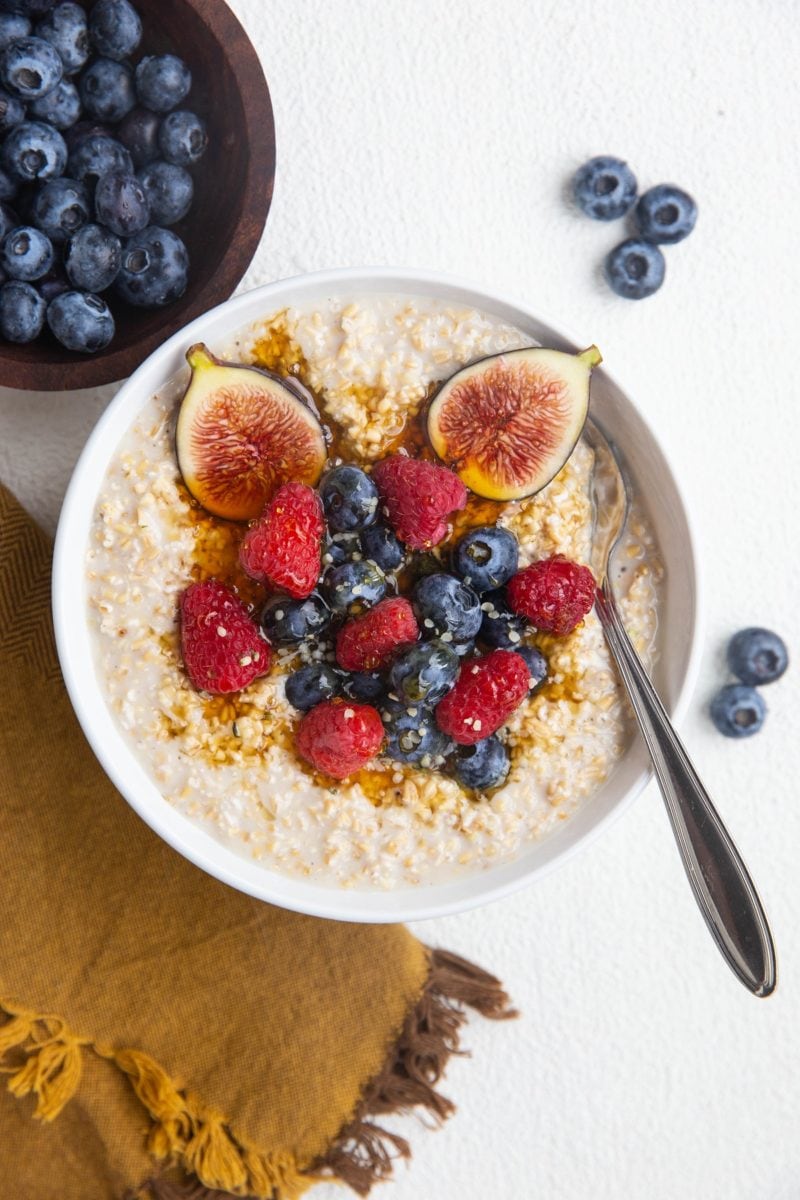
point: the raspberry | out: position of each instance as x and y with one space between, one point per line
369 642
223 650
419 496
484 696
284 547
554 593
337 736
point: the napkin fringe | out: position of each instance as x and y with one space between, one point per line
42 1057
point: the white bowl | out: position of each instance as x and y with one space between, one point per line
678 624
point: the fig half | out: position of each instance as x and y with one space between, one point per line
241 434
507 424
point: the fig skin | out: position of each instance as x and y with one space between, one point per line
506 424
243 432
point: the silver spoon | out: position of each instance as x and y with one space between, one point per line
719 879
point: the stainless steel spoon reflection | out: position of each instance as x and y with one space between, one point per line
719 879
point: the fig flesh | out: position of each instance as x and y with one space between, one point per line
241 433
507 424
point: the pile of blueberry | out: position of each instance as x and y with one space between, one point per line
605 188
93 170
455 609
756 657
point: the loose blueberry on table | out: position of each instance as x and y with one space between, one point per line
417 669
79 117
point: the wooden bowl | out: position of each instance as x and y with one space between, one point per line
233 190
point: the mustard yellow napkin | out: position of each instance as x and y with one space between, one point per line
167 1034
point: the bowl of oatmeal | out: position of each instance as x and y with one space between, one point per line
218 773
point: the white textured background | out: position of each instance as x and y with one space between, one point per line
440 133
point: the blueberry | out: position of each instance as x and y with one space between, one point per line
92 259
162 81
311 685
536 664
481 766
120 203
26 253
379 544
635 269
107 90
183 138
9 186
53 284
342 547
65 29
115 28
500 627
96 155
169 191
34 151
12 111
30 67
286 622
139 134
447 608
349 497
60 208
365 687
8 219
22 312
424 673
155 268
757 656
604 188
486 557
13 26
60 108
666 214
353 586
81 321
83 129
738 711
27 8
412 735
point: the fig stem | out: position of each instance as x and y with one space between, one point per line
591 356
199 356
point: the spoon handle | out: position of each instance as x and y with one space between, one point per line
719 879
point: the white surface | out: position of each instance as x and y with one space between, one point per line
678 636
440 133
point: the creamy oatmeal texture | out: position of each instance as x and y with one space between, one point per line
227 761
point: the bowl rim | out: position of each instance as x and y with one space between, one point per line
114 364
204 849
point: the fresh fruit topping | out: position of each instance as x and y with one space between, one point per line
287 622
349 497
222 648
60 108
341 548
486 557
447 608
425 673
139 135
154 269
500 627
481 766
418 497
183 138
635 269
311 685
484 696
353 586
507 424
106 89
241 434
412 735
169 191
338 737
64 27
60 208
81 321
365 686
162 81
34 151
95 155
22 312
380 545
30 67
604 188
26 253
283 549
666 214
370 642
121 204
93 258
115 28
738 711
537 664
757 656
555 594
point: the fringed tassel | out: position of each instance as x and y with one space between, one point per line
363 1153
41 1056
